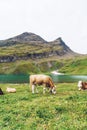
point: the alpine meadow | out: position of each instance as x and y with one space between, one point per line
28 54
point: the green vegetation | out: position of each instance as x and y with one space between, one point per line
35 55
18 67
67 110
76 66
46 65
24 48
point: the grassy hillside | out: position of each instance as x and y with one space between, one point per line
76 66
24 48
67 110
31 43
29 53
46 65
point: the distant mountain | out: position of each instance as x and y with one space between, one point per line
31 46
64 48
22 38
27 37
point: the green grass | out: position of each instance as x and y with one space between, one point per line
76 66
24 48
67 110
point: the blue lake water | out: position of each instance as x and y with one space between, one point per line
68 78
56 78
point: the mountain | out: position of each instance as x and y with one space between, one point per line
27 37
22 38
64 48
31 46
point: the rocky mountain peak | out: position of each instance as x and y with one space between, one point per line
59 40
27 37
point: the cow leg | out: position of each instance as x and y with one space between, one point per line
44 90
36 89
33 87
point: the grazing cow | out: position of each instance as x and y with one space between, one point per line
82 85
11 90
44 80
1 92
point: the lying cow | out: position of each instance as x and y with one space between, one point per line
11 90
44 80
82 85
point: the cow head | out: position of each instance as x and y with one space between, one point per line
53 90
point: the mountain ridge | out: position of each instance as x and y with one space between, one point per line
29 38
22 38
32 46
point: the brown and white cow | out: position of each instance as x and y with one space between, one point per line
82 85
41 79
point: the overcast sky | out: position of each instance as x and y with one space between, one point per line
48 18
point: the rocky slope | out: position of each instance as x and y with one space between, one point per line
31 46
22 38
